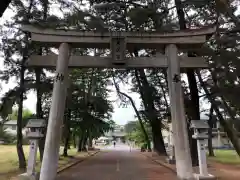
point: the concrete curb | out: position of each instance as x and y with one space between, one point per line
75 163
160 163
174 170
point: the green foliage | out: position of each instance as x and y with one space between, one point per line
145 14
135 133
130 126
87 101
26 114
6 137
226 157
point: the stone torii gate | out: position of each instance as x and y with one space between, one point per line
118 42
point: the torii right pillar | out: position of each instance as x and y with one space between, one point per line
179 124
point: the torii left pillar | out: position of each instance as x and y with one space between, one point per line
51 151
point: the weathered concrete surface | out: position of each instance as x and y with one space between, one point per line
25 176
51 151
208 177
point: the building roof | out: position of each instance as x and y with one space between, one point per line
11 122
116 132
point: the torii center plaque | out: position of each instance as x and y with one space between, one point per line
118 50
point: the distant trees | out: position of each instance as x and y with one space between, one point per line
9 137
27 114
136 134
5 137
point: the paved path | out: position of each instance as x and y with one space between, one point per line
114 164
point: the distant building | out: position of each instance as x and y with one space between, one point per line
11 124
118 134
11 127
219 137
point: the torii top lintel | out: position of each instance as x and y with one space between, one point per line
92 39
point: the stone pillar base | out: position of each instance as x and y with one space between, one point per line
25 176
171 161
201 177
186 179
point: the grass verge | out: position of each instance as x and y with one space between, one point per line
9 160
226 157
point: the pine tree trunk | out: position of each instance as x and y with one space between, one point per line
225 105
210 123
146 95
84 143
39 111
228 128
162 88
158 142
90 144
195 114
38 72
81 141
67 133
66 145
21 156
140 120
20 152
41 146
74 140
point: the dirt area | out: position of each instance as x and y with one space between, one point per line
221 171
225 171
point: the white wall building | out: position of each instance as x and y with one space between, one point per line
219 137
118 134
